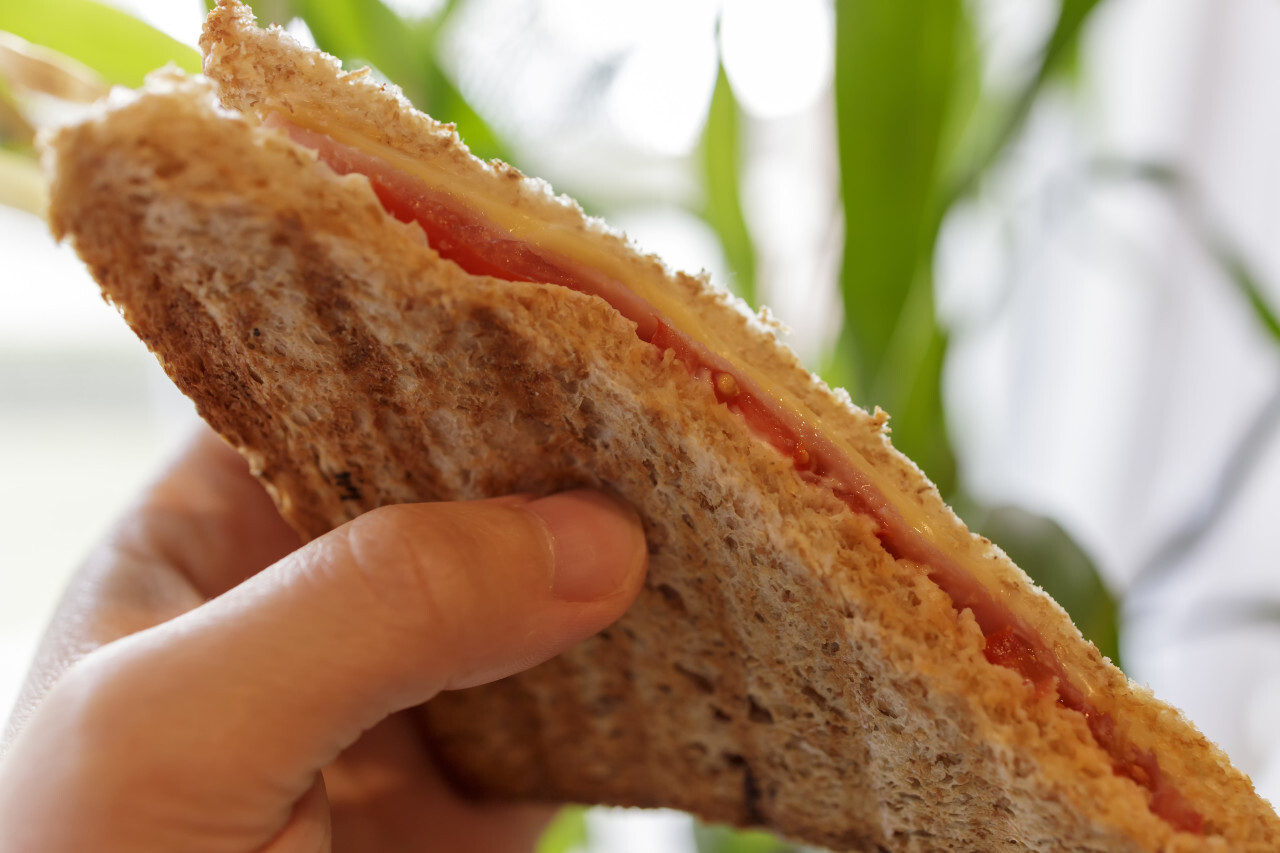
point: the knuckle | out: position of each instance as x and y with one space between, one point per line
96 704
411 573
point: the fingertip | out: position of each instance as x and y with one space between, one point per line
597 541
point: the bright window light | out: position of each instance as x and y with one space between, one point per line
299 30
778 57
659 98
415 9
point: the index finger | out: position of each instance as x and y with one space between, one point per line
202 528
209 519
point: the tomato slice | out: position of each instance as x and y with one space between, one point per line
1010 649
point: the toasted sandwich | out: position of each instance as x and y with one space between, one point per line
372 315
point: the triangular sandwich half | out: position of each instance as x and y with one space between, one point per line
822 648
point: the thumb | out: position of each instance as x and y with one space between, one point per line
250 694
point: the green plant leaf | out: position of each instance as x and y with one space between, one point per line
722 839
267 11
369 32
113 43
445 103
904 79
362 31
566 833
1060 566
893 85
910 384
721 159
1236 267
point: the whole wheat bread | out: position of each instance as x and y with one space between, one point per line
779 669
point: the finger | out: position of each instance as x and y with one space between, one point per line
381 799
272 680
208 518
204 526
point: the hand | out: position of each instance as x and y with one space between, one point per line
209 685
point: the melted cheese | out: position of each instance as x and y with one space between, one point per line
647 282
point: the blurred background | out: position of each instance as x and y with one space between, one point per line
1043 235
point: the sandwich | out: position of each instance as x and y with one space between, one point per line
371 315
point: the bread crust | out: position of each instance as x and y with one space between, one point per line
779 668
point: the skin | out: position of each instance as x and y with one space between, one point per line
209 684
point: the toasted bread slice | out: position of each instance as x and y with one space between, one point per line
781 668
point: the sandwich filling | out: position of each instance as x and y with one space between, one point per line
490 237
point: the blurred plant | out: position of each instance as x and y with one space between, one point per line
404 50
903 82
114 44
1240 465
567 832
67 51
722 166
720 839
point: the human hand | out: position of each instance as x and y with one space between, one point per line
209 685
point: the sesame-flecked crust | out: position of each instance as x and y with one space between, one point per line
779 668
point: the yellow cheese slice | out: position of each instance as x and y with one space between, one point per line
650 285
